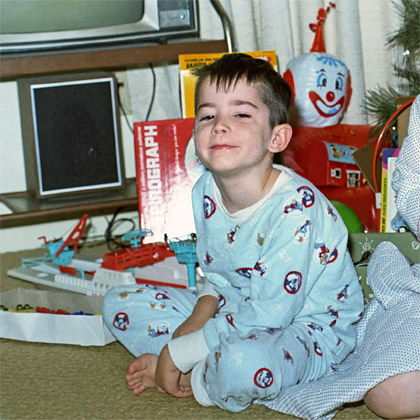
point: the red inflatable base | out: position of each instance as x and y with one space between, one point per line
310 155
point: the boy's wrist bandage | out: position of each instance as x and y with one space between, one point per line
186 351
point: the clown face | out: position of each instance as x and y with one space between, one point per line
321 87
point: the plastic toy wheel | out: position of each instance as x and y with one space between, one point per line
349 216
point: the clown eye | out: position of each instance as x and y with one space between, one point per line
339 83
321 80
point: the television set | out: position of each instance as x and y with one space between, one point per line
31 26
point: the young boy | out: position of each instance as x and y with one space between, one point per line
281 294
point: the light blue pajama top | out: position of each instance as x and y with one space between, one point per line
388 339
282 261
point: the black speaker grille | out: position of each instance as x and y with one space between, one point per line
76 135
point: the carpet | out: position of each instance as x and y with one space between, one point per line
41 381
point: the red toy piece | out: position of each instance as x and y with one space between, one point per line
67 270
44 310
136 257
58 250
75 235
318 44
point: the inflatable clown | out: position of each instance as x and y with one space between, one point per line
320 83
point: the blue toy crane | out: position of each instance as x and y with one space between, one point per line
184 250
136 237
59 252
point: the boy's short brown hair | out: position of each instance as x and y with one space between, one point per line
230 68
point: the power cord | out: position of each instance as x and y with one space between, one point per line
123 110
108 237
152 99
111 240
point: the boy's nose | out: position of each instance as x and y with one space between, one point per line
220 126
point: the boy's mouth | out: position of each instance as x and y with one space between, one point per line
222 147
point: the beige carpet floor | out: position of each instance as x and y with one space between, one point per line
62 382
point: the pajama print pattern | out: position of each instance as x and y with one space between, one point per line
288 294
287 285
144 317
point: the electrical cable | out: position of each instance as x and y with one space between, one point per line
111 241
152 99
123 110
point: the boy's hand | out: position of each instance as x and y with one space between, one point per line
205 308
167 375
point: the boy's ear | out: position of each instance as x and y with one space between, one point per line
280 139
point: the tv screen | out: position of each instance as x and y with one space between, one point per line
40 25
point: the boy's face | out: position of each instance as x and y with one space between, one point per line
232 131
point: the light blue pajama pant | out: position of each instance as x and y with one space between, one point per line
241 369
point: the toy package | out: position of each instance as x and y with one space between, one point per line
390 221
166 168
189 62
53 317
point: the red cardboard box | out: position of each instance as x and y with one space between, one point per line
166 170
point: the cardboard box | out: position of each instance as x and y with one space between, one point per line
166 170
403 119
364 158
189 62
362 245
83 330
390 220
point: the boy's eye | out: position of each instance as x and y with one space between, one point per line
243 115
206 118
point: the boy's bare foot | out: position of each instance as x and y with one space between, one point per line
185 381
141 373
